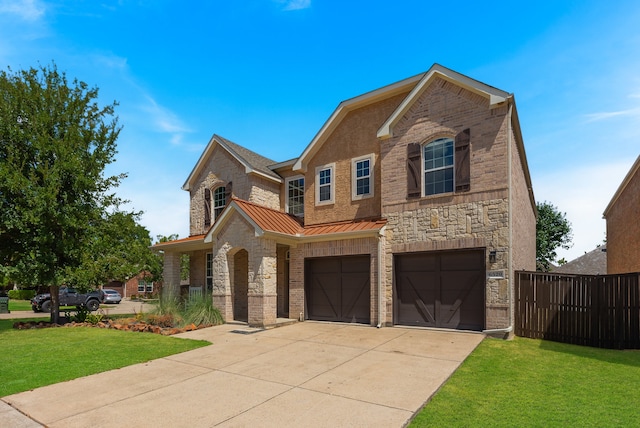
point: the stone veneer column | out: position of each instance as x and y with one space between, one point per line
263 302
222 298
171 272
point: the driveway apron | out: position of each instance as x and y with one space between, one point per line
308 374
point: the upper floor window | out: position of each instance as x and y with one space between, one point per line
438 166
219 201
362 176
325 184
295 196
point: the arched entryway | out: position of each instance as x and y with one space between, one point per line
240 286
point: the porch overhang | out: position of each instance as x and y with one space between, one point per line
184 245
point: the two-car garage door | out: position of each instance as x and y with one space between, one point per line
440 289
431 289
338 289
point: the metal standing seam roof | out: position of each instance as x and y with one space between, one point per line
269 219
280 222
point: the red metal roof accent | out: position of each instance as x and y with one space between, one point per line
280 222
269 219
344 227
180 241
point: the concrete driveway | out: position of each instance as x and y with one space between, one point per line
307 374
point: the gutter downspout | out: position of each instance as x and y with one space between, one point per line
380 237
510 196
509 329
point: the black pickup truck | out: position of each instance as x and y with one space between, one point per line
68 297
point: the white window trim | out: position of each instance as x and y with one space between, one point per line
332 185
354 177
423 171
215 216
286 193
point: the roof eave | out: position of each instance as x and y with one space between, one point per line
345 107
634 169
495 96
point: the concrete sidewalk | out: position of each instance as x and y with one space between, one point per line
125 307
308 374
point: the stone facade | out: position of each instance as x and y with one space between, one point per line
259 277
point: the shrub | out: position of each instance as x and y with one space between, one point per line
200 310
21 294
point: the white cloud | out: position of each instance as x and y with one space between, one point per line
594 117
164 119
295 4
582 192
28 10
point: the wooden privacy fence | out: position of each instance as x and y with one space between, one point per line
592 310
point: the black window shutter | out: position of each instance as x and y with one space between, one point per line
207 207
462 161
413 170
227 193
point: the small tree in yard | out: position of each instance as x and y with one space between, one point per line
55 142
553 231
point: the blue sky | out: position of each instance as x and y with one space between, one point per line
267 74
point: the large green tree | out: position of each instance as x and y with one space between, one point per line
118 249
553 231
55 142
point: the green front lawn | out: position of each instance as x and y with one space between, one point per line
528 382
19 305
39 357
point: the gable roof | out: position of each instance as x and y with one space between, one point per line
416 85
345 107
592 263
287 228
253 163
633 171
495 96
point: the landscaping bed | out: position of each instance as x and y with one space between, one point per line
124 324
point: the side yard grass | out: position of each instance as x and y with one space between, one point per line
528 382
39 357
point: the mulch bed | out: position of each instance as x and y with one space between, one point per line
124 325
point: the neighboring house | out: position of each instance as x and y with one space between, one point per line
139 284
592 263
623 225
412 205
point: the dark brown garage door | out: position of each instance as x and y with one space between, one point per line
338 289
440 289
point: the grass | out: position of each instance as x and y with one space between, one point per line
19 305
39 357
531 383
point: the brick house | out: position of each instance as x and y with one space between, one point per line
137 285
412 205
623 227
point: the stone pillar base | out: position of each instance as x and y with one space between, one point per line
262 310
224 303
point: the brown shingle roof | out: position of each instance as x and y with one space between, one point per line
257 161
592 263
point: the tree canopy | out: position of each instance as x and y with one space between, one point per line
57 206
553 231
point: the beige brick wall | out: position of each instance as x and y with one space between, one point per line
523 213
220 169
623 230
354 137
347 247
475 219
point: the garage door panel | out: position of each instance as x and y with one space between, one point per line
338 289
440 289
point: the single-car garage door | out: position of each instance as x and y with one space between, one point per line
338 289
440 289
